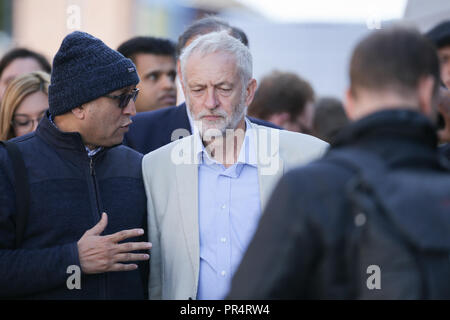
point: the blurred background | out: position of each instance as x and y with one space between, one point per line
313 38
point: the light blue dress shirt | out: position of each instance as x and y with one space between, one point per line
229 211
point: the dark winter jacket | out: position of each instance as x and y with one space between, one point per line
68 191
301 247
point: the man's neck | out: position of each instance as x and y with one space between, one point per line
64 123
369 103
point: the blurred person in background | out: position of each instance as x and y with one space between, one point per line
370 219
154 129
444 123
155 62
24 104
19 61
329 118
286 100
440 36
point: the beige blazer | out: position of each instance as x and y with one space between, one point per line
171 182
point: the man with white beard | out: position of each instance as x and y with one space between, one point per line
206 192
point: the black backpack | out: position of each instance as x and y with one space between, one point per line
21 190
399 247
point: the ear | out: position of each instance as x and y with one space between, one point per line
180 76
280 119
251 89
425 95
79 112
349 104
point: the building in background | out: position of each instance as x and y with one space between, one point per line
319 52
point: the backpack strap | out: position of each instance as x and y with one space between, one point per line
21 189
366 164
370 171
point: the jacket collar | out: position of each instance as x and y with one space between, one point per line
59 139
401 124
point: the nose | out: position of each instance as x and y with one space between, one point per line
130 109
167 82
211 99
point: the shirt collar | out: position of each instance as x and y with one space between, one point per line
247 154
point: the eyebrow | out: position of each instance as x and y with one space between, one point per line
158 71
224 83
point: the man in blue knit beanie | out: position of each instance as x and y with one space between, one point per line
84 235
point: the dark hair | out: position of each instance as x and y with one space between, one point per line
440 34
151 45
207 25
329 118
17 53
393 59
281 92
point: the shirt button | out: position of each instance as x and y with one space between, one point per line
223 239
223 273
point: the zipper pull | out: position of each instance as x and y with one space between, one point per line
91 166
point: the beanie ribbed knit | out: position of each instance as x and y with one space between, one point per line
84 69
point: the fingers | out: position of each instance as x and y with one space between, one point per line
133 246
126 257
125 234
99 227
123 267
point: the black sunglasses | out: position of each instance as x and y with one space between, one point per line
124 99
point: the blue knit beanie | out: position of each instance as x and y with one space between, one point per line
84 69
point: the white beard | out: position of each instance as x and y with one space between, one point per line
215 128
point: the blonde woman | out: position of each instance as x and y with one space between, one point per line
24 104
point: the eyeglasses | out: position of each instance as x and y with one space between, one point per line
124 99
24 122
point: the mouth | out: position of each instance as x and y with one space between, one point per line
211 118
126 126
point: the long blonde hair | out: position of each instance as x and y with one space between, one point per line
17 90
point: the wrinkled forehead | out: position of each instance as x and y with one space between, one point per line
20 66
216 64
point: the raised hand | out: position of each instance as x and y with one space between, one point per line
99 254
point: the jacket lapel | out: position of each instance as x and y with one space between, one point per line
270 163
187 184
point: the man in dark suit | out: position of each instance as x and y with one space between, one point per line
154 129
